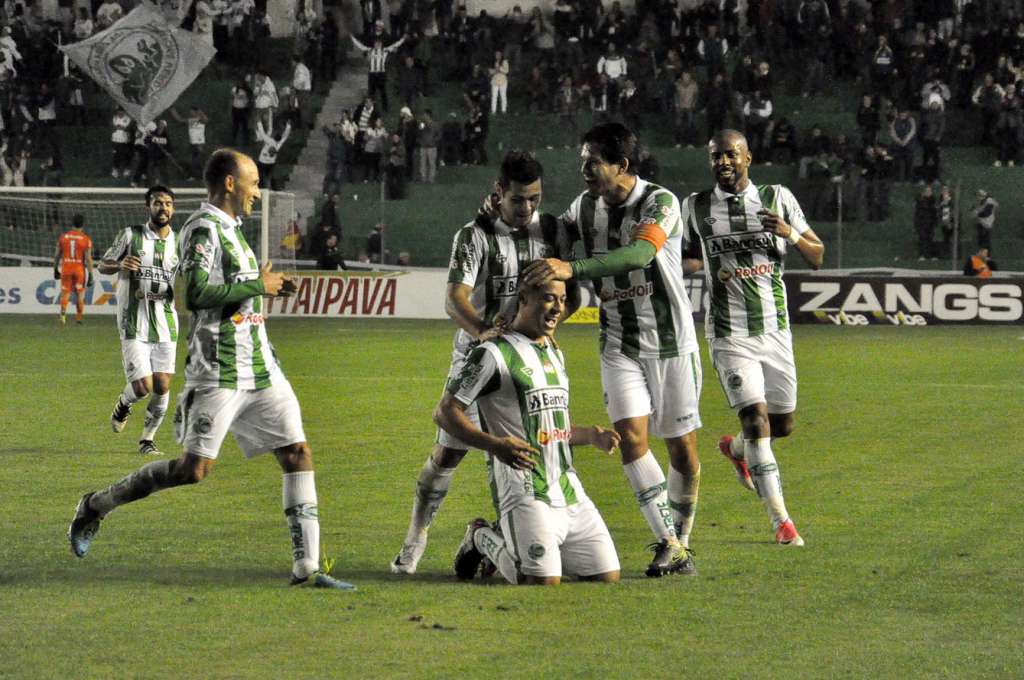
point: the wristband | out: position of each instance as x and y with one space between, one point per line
794 236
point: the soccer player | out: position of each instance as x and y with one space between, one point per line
487 256
744 229
73 254
145 258
519 382
650 362
232 378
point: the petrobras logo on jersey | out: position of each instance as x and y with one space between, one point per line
723 244
545 437
504 286
633 292
546 399
764 269
238 318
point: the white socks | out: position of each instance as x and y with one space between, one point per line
648 484
139 484
431 488
490 543
765 473
682 499
128 396
155 412
298 493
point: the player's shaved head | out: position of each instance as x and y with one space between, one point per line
540 308
730 159
219 165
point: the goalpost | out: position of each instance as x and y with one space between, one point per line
31 219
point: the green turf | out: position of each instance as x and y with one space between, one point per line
899 476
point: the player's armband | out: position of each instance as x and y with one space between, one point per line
652 233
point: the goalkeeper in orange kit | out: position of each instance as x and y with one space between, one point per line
73 255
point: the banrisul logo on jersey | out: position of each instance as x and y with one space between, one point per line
546 399
723 244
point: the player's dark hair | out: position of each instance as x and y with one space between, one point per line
520 167
78 219
158 189
219 165
614 143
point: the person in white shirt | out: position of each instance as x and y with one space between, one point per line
196 122
108 14
302 85
268 154
613 66
120 141
83 25
499 82
264 100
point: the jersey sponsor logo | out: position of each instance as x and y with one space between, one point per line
238 318
546 399
504 286
723 244
619 294
764 269
545 437
150 273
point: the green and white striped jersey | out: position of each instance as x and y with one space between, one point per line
145 299
645 313
522 390
490 257
743 262
227 343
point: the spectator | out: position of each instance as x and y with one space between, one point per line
265 100
757 115
567 99
630 104
475 136
140 157
925 219
427 137
985 219
375 244
537 90
684 102
330 258
407 129
196 122
868 120
934 123
614 67
648 168
1008 128
783 137
374 144
158 153
516 29
394 169
83 25
408 81
945 209
903 132
330 212
377 57
883 65
318 240
267 158
241 100
335 165
108 13
712 50
452 141
302 86
935 88
76 96
499 82
988 97
120 141
980 265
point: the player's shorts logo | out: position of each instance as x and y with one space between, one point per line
734 381
130 368
203 424
536 551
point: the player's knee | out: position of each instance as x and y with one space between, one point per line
528 580
782 425
189 470
296 457
607 577
161 383
142 386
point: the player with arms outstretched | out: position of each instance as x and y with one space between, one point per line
73 255
145 258
549 527
232 378
487 256
743 229
650 362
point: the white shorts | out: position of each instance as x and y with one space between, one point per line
141 358
668 390
261 420
757 370
472 412
547 541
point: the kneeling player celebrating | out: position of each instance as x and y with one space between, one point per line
519 382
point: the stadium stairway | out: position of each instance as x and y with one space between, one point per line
307 175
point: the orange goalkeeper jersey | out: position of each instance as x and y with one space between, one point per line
73 245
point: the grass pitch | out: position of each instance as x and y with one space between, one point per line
899 477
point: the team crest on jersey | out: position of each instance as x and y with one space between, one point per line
203 424
536 551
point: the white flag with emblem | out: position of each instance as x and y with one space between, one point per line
142 61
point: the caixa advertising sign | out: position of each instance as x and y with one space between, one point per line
904 301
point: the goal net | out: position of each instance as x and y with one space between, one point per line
31 219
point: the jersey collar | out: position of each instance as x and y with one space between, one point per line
749 192
149 232
500 226
221 215
633 197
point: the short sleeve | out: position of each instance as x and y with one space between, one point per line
468 249
792 212
479 375
119 248
198 251
662 209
